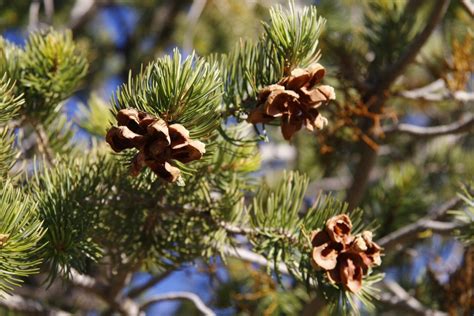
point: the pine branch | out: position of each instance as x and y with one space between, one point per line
377 98
137 291
469 6
16 303
194 13
437 91
33 22
390 74
464 125
171 296
401 299
410 232
82 11
250 256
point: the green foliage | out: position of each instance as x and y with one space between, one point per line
7 153
10 103
51 68
389 28
465 216
186 92
9 58
59 132
70 198
290 40
20 234
94 116
402 192
251 288
283 227
294 35
280 207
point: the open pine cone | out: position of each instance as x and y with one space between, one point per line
295 100
158 143
346 258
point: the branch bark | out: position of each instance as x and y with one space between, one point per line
465 124
410 232
377 97
469 6
401 299
196 300
20 304
393 72
137 291
250 256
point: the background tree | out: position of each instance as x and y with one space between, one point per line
233 233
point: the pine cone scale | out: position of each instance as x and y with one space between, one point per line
346 258
158 143
292 99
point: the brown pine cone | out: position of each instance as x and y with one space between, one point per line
295 100
344 257
158 143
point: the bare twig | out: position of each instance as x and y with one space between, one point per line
469 6
49 10
410 232
137 291
17 303
465 124
33 21
86 282
248 231
437 91
401 299
193 17
196 300
81 12
249 256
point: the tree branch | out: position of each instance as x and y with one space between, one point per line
20 304
401 299
437 91
392 73
250 256
469 6
137 291
196 300
377 97
193 17
33 16
410 232
465 124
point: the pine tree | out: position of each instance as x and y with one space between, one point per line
169 176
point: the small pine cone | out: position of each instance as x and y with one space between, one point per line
295 100
349 271
339 228
344 257
325 251
158 143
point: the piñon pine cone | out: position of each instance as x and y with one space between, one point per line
157 141
344 257
295 100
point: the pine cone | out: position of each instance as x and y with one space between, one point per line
346 258
295 100
158 143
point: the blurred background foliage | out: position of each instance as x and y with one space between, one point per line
413 173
